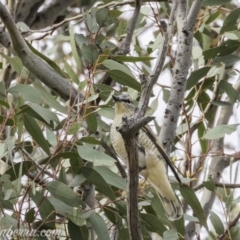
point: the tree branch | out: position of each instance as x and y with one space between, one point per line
180 71
35 65
126 46
218 164
49 15
167 38
27 10
129 129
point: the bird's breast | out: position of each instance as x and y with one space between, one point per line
117 142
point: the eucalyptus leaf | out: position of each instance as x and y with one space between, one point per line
34 130
49 99
97 157
71 73
170 235
90 53
91 120
229 90
153 224
72 213
45 113
217 223
113 65
99 227
15 62
45 208
191 198
95 178
220 131
230 21
111 177
64 193
196 76
80 40
27 92
124 79
74 49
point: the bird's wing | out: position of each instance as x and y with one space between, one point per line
157 144
155 173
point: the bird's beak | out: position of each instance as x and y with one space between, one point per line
115 98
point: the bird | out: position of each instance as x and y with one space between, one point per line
151 160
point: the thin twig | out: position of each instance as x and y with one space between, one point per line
111 153
221 185
231 225
126 46
167 38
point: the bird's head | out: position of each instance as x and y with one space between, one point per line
123 105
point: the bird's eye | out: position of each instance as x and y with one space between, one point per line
127 101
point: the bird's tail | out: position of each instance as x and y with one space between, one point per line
156 175
173 209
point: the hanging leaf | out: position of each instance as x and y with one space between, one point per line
209 184
7 122
112 214
229 90
71 73
49 99
170 235
76 215
153 224
29 216
74 49
28 93
99 227
113 65
124 79
90 53
91 120
111 177
190 197
45 208
90 20
230 22
220 131
15 62
64 193
80 40
77 232
102 17
217 223
95 178
97 157
196 76
45 113
203 142
21 167
34 130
